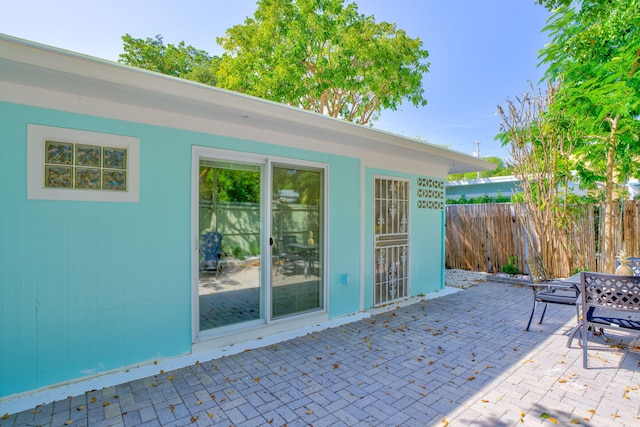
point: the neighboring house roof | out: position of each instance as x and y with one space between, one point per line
504 185
31 64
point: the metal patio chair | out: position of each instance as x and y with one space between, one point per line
211 252
608 302
549 291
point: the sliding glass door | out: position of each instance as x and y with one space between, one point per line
260 240
229 288
297 234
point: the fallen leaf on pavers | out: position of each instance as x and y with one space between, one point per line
162 371
424 394
591 411
485 401
213 397
154 385
615 416
173 408
445 423
93 400
80 408
309 412
270 421
257 379
68 422
199 402
194 419
106 403
574 421
210 414
5 416
516 349
562 381
548 417
155 362
335 366
170 378
471 378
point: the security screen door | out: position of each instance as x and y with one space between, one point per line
391 240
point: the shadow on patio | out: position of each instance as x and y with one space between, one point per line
459 360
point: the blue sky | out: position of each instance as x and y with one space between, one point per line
481 51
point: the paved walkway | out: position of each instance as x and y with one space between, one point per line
459 360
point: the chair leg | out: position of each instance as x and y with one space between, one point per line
533 310
585 333
543 312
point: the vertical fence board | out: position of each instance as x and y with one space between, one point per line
482 237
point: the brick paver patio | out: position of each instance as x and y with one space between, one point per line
458 360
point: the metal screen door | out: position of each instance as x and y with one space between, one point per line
391 240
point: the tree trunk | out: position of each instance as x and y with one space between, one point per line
608 248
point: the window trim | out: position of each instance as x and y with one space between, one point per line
37 135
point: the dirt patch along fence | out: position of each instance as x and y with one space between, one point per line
483 237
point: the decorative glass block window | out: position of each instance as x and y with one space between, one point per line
68 164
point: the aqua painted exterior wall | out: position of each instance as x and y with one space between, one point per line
92 287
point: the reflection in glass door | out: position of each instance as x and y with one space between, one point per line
229 290
296 232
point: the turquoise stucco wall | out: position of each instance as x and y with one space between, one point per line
89 287
426 238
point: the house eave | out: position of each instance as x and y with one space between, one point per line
31 64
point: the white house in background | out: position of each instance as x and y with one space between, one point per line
499 185
492 187
110 222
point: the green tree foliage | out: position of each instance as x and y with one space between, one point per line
323 56
501 170
180 61
594 56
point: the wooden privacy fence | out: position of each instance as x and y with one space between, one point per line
483 237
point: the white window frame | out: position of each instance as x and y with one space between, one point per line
37 135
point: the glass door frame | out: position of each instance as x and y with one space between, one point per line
266 259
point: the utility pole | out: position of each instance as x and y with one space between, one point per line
477 154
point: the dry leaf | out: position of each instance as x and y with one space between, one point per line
173 408
471 378
93 400
575 421
257 380
591 411
199 402
5 416
68 422
309 412
485 401
162 371
194 419
335 366
106 403
79 408
562 381
170 378
155 362
210 414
